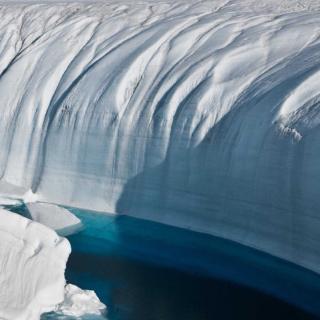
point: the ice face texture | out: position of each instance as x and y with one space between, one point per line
32 263
202 115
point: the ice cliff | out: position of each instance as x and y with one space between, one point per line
200 114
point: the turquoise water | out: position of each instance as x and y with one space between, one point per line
147 271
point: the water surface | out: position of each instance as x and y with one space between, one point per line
147 271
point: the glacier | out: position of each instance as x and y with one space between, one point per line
202 115
33 260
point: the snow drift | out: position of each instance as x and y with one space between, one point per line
203 115
32 265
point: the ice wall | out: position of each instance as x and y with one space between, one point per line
32 263
199 114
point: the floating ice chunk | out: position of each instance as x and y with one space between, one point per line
33 260
78 302
6 201
59 219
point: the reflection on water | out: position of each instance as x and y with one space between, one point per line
146 271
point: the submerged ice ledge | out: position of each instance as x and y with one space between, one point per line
204 115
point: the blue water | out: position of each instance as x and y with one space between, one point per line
147 271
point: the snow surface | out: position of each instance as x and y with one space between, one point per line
200 114
78 303
59 219
32 264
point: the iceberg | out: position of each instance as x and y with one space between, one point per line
33 260
78 303
59 219
203 115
